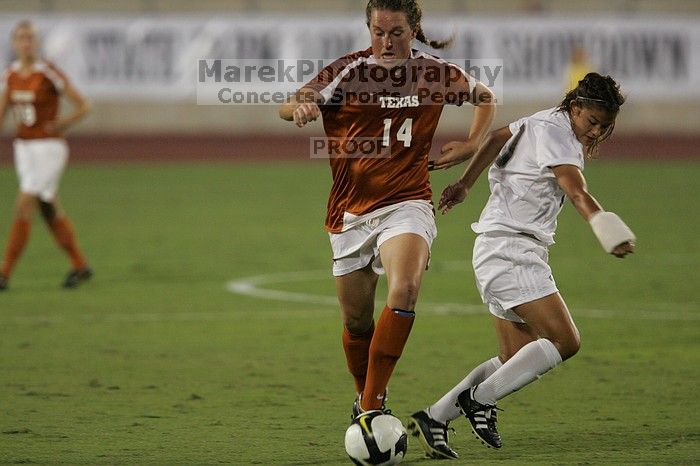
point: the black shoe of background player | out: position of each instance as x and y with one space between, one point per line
432 434
76 277
3 283
482 418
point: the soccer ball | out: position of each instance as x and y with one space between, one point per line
375 438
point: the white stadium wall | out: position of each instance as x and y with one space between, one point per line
141 71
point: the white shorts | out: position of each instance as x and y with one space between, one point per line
359 242
511 269
39 164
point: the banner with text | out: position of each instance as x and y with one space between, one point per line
159 57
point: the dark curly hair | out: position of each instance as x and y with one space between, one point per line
595 90
414 15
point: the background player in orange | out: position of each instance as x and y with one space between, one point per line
33 88
380 216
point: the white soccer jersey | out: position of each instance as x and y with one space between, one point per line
525 196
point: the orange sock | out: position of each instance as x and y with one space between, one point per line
357 354
65 237
19 235
388 341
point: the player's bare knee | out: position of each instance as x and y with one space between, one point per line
404 294
357 324
569 345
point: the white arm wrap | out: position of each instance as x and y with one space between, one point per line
610 230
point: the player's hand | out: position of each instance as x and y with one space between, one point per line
453 153
451 196
622 250
306 113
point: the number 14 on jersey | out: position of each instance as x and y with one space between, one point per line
405 132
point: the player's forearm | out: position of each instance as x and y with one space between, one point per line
585 204
484 157
484 113
483 118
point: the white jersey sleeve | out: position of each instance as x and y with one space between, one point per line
554 147
516 125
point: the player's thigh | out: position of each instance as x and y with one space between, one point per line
512 336
550 318
405 241
405 255
405 258
356 291
25 205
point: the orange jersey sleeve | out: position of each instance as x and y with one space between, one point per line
35 97
379 129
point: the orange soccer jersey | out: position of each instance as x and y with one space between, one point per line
379 125
35 98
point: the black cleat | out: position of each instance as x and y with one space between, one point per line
432 435
481 417
357 409
76 277
3 283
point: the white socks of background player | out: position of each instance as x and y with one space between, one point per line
445 409
533 360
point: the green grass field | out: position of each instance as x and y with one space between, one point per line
157 362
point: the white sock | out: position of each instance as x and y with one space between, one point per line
445 410
527 365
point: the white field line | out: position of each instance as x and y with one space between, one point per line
262 287
159 317
258 287
253 286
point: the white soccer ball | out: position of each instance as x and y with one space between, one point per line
375 438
